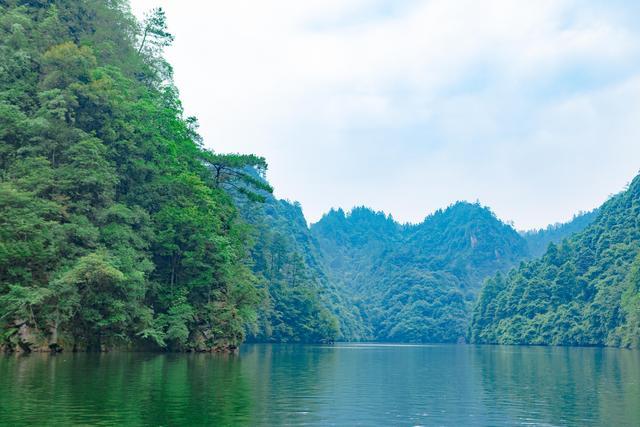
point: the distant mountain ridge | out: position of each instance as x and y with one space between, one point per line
416 282
119 230
538 240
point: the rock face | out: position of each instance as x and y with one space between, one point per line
24 339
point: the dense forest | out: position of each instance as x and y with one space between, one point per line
120 230
538 240
117 226
583 291
301 304
417 282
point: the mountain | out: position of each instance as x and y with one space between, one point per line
117 228
352 244
583 291
302 304
538 240
416 282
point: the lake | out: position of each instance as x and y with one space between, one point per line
341 384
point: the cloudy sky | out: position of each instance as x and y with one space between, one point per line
531 107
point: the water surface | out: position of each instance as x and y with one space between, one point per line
343 384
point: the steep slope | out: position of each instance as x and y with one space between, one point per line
583 291
113 231
353 244
417 282
466 240
538 240
303 305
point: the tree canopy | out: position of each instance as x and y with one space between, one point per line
117 229
582 291
416 282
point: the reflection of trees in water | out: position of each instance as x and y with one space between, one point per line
123 388
284 377
198 389
292 384
560 385
409 385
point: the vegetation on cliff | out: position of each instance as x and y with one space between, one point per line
116 227
301 304
583 291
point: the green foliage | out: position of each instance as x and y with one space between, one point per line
583 291
119 229
538 240
115 231
422 306
239 173
301 304
155 36
629 331
416 282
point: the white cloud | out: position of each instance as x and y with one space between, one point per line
406 106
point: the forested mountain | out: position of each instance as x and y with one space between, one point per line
353 244
417 282
302 304
538 240
583 291
116 226
120 230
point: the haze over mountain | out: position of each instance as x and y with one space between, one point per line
130 227
538 240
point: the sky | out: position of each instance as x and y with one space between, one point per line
530 107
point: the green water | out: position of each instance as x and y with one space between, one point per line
327 385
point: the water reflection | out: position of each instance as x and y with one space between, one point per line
319 385
560 386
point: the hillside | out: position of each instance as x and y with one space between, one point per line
120 230
117 230
302 304
417 282
538 240
583 291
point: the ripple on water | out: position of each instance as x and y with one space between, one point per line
343 384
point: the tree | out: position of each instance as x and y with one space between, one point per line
242 173
155 36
